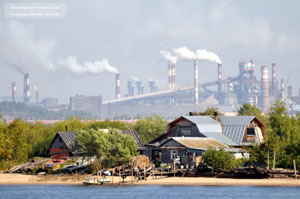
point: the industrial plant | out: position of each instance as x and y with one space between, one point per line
225 93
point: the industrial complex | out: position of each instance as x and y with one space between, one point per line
224 93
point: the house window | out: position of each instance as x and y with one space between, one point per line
186 131
60 140
174 154
250 132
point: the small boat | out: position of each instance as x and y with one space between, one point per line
94 181
105 180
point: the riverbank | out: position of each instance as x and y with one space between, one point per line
16 179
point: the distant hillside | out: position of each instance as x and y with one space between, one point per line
24 111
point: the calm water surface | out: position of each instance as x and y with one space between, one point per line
145 192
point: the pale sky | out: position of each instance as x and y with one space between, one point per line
130 35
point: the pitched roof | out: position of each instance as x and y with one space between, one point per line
205 123
234 126
197 142
220 137
209 127
68 137
236 120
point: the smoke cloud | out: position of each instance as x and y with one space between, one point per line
19 40
13 66
202 55
22 49
185 53
206 55
169 57
87 67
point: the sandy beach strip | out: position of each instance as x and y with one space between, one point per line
19 179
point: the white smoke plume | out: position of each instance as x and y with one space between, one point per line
169 57
202 55
134 78
87 67
185 53
206 55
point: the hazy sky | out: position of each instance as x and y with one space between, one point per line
130 35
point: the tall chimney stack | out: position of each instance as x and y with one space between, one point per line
26 88
274 81
196 83
282 89
170 72
219 81
13 92
173 76
118 86
265 101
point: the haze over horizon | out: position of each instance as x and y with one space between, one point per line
105 37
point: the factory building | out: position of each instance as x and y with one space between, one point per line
89 104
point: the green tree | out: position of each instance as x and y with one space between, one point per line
219 160
150 127
248 109
111 148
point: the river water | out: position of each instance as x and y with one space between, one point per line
145 192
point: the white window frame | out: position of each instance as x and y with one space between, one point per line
174 154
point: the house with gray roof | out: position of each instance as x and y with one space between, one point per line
61 146
232 131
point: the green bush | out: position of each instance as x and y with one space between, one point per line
219 160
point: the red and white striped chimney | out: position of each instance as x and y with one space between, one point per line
265 101
13 92
118 86
196 82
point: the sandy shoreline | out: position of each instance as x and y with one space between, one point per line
19 179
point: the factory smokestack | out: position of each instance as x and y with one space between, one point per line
170 75
282 88
219 81
173 76
290 92
26 88
13 92
274 81
118 86
265 101
196 83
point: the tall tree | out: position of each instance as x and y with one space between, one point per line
150 127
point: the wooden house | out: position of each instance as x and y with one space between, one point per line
61 147
232 131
